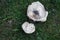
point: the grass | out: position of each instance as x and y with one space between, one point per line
13 14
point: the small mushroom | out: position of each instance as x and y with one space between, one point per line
28 27
37 12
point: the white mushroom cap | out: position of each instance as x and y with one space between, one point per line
37 6
28 27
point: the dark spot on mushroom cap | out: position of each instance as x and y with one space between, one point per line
36 12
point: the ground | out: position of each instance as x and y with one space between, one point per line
13 14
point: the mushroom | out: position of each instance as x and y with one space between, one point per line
37 12
28 27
